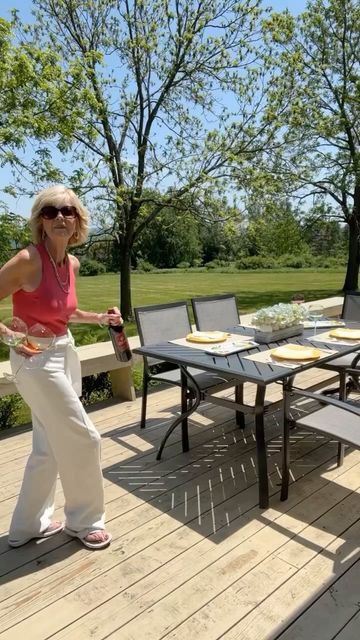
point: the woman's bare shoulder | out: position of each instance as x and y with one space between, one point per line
29 254
19 271
75 263
25 258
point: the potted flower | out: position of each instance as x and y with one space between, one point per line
279 321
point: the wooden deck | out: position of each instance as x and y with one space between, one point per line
193 557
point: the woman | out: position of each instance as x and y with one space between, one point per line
41 280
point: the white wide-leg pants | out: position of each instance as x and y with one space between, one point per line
64 441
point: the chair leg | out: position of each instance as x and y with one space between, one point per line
285 463
343 392
340 454
239 398
144 401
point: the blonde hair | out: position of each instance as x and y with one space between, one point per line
54 196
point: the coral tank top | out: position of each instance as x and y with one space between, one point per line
48 304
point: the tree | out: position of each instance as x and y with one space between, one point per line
155 94
273 229
24 73
324 237
170 240
316 91
14 234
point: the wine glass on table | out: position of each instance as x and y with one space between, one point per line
315 313
15 334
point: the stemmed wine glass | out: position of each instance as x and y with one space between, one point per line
315 313
15 334
37 339
40 338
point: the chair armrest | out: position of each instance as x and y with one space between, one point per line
354 362
340 404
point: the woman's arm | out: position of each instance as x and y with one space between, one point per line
112 316
18 272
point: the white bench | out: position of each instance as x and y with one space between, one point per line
94 358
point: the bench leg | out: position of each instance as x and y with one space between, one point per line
122 383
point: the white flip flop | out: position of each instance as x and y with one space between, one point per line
47 533
81 535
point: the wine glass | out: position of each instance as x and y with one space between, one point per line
15 334
16 331
315 313
39 338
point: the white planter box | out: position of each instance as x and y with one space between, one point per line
266 334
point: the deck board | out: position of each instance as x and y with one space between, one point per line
192 555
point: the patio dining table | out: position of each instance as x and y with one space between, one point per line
250 365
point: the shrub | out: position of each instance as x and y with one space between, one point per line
9 410
255 262
90 267
145 266
96 388
137 376
330 262
183 265
215 264
296 262
211 265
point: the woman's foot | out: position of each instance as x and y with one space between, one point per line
97 539
51 530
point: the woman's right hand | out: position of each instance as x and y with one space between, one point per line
26 349
12 338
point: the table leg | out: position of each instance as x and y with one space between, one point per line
287 422
181 419
286 440
261 448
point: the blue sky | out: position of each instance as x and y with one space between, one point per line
22 205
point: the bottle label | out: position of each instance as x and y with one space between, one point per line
121 340
120 343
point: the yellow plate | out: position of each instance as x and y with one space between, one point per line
207 336
295 352
348 334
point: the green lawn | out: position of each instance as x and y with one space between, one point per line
253 288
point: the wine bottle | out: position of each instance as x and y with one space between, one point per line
120 343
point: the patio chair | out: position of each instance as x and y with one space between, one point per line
216 313
335 418
164 322
350 313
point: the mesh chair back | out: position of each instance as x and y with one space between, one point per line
213 313
351 306
160 323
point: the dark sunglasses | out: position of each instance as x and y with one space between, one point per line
50 213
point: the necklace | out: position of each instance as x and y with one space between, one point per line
65 286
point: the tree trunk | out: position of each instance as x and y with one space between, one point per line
125 286
352 272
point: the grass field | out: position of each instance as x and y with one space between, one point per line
253 288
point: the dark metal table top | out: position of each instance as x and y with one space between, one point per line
237 365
